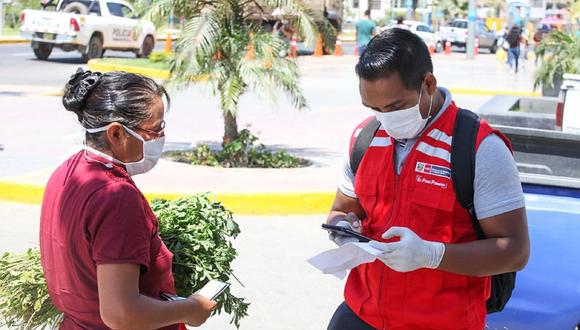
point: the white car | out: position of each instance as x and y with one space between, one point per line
88 26
424 32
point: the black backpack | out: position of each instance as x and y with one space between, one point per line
463 175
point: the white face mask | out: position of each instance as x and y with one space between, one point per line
152 150
406 123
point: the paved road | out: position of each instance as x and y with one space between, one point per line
19 66
284 291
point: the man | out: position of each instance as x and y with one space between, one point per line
433 272
365 30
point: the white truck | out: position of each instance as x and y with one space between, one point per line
89 26
456 34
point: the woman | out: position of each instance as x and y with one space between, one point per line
514 38
103 259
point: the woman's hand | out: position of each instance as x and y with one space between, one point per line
201 309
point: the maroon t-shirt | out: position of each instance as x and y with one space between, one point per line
94 214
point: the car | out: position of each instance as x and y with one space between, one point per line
456 33
423 31
547 290
87 26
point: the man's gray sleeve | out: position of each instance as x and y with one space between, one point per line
497 186
346 184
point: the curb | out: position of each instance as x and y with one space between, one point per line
276 203
13 41
99 65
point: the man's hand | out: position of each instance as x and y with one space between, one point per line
351 221
200 310
410 252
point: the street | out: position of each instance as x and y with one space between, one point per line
19 66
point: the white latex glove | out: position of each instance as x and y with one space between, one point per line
352 222
410 253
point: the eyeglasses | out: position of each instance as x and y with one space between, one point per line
154 134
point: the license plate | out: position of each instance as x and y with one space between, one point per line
48 36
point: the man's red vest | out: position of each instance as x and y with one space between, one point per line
421 198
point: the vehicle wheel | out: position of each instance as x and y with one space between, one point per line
147 47
43 50
76 8
493 48
95 49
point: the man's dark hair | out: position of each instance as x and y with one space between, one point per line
368 13
400 19
396 51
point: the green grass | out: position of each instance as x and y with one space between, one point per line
10 32
139 62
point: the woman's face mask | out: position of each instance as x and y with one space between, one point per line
152 150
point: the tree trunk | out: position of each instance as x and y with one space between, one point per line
230 128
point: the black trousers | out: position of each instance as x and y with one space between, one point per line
345 319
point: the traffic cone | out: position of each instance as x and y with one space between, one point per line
338 47
476 48
318 50
168 46
294 46
431 49
447 48
251 54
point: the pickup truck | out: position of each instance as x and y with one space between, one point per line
456 34
88 26
547 291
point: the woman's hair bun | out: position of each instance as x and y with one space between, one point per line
78 89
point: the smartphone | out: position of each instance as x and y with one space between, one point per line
213 289
346 232
170 297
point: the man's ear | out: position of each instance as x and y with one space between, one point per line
431 83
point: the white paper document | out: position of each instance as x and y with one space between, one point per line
337 261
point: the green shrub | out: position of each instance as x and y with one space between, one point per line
160 56
245 151
24 299
195 229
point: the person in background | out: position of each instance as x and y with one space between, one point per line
514 39
365 30
103 259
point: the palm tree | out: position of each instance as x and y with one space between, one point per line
224 42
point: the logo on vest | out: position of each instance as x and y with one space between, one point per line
433 182
442 171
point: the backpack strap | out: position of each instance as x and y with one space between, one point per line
362 143
463 162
